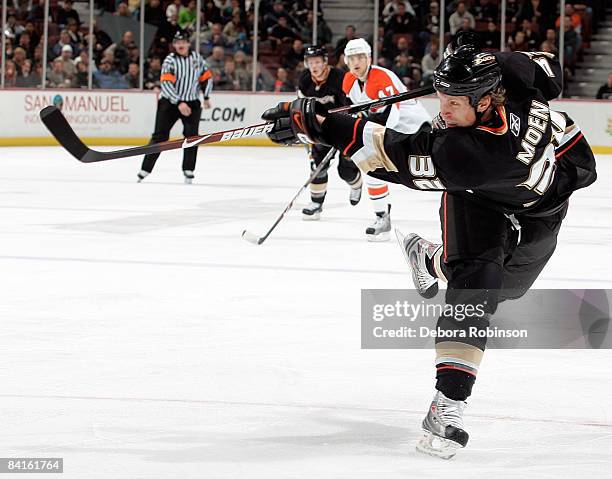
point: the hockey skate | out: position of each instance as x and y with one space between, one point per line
142 174
188 176
379 230
415 250
312 211
355 195
443 428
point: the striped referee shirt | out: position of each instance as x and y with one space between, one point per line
183 77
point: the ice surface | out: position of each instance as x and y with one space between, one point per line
142 337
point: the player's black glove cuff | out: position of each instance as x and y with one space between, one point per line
296 122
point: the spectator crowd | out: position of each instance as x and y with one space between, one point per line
407 40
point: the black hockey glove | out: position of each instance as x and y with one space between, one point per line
296 122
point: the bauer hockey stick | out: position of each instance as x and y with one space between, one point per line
252 238
59 127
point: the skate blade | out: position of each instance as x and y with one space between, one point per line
314 217
380 237
437 446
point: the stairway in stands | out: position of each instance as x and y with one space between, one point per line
593 71
340 13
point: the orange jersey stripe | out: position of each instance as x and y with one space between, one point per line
501 129
168 77
205 76
378 191
354 137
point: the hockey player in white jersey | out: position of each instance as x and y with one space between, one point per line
365 82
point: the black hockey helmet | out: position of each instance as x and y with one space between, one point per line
315 51
467 72
181 35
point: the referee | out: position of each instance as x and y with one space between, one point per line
184 73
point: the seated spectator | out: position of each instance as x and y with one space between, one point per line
324 34
12 29
76 37
432 19
174 8
121 50
153 74
132 77
66 13
36 12
123 10
490 38
82 58
56 77
243 69
531 37
401 21
234 28
402 47
548 47
101 42
214 38
27 78
486 10
188 16
518 43
605 91
271 19
155 13
228 79
295 56
68 64
212 13
465 27
392 7
572 43
64 39
108 78
402 67
10 76
456 19
168 29
282 83
243 76
281 32
551 36
573 17
38 54
25 43
429 63
349 34
19 58
34 35
216 62
82 76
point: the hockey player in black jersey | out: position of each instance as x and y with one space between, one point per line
324 82
506 163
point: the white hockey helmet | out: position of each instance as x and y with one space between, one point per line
357 46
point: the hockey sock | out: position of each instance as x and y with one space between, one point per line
455 384
357 182
318 191
379 196
435 266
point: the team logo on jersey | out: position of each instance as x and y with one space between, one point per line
515 124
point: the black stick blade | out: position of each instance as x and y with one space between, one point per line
56 123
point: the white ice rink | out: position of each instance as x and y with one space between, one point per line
142 338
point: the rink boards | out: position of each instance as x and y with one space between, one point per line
107 117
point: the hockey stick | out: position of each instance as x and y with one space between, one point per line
252 238
57 124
